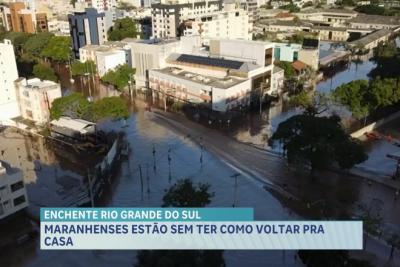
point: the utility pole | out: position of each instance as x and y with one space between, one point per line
148 178
154 158
236 175
90 188
141 179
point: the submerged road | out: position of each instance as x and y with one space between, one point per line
336 194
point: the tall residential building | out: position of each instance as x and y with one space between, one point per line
21 19
8 74
35 98
168 15
102 5
230 23
13 197
88 27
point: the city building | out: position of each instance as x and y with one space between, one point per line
102 5
13 196
108 56
327 17
150 54
59 27
35 98
308 52
228 77
277 81
230 23
87 27
168 15
376 22
8 74
20 18
372 40
41 22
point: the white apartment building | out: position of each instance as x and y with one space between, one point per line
8 74
13 197
102 5
108 56
168 15
35 98
59 27
109 60
230 23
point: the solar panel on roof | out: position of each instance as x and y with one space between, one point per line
215 62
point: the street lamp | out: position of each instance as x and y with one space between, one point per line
236 175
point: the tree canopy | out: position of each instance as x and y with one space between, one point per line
363 97
78 68
184 194
387 59
58 49
73 105
77 106
318 141
36 43
123 28
290 72
110 107
44 72
119 77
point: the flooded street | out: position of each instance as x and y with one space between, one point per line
59 175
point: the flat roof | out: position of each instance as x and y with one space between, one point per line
372 37
73 124
376 19
223 83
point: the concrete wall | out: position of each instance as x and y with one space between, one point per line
370 127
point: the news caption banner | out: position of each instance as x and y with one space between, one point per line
188 228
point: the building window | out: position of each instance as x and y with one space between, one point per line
17 186
19 200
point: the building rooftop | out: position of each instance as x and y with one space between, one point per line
299 65
371 37
223 83
332 10
36 83
376 19
7 169
73 124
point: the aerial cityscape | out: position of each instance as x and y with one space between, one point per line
289 107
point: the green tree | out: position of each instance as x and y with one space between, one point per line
318 141
287 67
123 28
77 106
110 107
184 194
119 77
73 105
18 39
36 43
58 49
387 59
79 69
355 96
44 72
